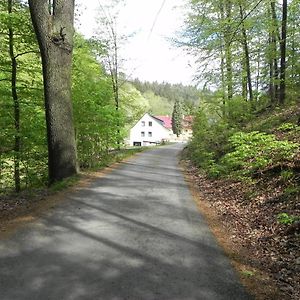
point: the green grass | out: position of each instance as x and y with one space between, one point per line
65 183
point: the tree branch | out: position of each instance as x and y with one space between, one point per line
243 19
27 52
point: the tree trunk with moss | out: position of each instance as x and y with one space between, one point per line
53 22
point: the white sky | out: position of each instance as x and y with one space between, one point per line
148 56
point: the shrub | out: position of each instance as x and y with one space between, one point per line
256 151
209 143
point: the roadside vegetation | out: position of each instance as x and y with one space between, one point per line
244 154
250 177
105 104
99 127
245 150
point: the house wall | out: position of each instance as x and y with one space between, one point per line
157 130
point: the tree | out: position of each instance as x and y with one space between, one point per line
283 52
177 118
109 41
53 22
94 110
246 53
274 36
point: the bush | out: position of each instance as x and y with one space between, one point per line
238 111
255 151
210 142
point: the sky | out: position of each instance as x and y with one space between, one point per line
148 53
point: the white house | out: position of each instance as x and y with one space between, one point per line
148 131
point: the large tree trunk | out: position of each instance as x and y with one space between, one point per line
53 23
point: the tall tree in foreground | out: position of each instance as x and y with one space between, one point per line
177 118
53 22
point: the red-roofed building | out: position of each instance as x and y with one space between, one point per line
156 129
167 121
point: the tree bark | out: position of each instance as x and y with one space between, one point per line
274 63
283 53
246 54
222 67
14 65
113 63
228 53
53 23
225 11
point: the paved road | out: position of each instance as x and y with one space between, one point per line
134 234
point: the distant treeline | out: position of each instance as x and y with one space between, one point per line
172 92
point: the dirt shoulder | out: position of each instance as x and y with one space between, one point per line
266 258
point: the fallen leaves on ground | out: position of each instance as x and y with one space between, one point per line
249 214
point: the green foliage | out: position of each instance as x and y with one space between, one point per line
133 104
255 151
248 273
162 96
222 35
209 143
287 175
288 127
97 122
238 111
32 156
222 144
286 219
158 105
65 183
177 118
292 190
96 119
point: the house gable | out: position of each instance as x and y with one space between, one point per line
148 130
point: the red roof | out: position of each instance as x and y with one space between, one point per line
187 122
166 120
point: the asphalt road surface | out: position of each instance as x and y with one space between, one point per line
134 234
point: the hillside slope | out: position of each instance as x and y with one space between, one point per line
258 204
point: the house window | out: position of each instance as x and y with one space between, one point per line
143 124
149 134
142 133
150 123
